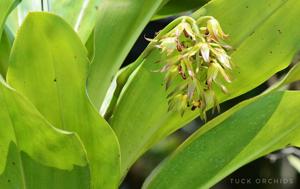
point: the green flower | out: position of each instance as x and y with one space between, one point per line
196 59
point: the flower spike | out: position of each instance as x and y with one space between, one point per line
196 55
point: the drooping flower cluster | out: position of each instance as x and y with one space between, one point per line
195 55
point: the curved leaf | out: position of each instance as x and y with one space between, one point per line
250 130
23 129
262 48
119 24
53 78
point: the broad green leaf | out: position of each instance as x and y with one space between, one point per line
250 130
119 24
5 7
81 14
53 78
265 39
5 46
24 135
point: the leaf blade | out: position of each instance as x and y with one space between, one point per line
259 134
21 124
118 26
54 80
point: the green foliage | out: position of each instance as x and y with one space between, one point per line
57 74
60 65
21 124
119 24
249 130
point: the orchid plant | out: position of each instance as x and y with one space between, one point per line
72 117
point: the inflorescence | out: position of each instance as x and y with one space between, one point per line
196 55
